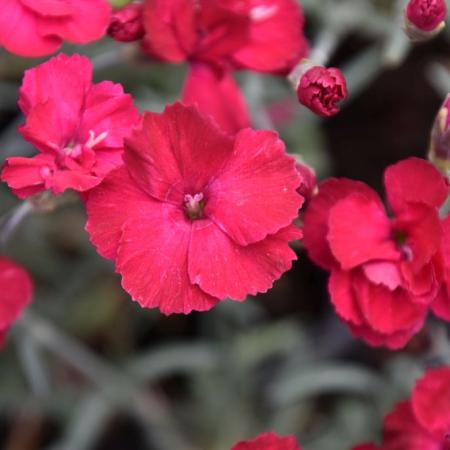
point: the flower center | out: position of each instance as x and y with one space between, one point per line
194 205
400 238
76 150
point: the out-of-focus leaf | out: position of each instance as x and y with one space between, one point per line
322 379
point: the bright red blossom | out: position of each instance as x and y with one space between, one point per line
77 126
36 28
386 272
195 216
218 36
16 291
422 423
321 88
268 441
261 35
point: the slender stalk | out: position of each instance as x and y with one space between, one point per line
319 56
14 220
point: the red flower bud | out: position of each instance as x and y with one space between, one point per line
424 18
321 88
126 23
439 149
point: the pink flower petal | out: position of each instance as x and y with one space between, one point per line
16 291
176 152
223 268
27 176
383 272
152 258
430 401
276 37
414 180
19 32
343 298
387 311
268 441
403 432
64 79
170 29
255 195
109 206
359 231
392 341
108 109
227 105
45 8
317 214
87 23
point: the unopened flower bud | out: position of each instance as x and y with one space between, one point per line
321 88
439 150
126 23
424 19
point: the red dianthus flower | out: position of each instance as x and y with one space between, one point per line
38 27
194 215
77 126
16 290
385 272
268 441
217 36
422 423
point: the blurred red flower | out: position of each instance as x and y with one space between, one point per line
16 291
36 28
385 271
195 216
77 126
217 36
268 441
422 423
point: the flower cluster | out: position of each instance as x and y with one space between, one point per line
77 126
16 291
195 215
386 272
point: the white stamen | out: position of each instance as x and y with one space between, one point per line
93 141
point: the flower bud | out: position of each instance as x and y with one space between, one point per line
424 19
126 23
439 149
320 88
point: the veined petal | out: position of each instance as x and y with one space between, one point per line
256 193
153 260
225 269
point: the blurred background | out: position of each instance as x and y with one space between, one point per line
88 369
